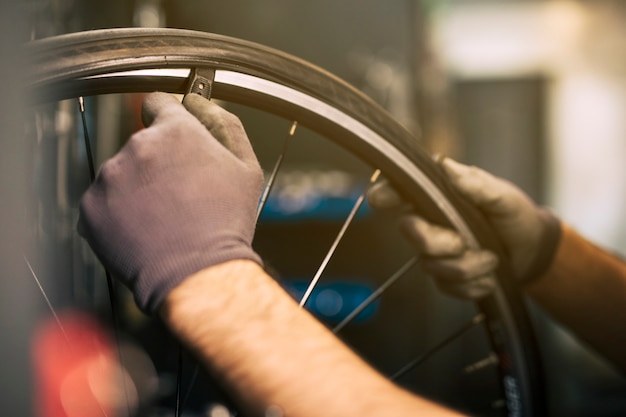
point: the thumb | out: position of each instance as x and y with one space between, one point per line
382 196
156 104
490 193
224 126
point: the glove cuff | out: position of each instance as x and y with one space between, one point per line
549 242
174 271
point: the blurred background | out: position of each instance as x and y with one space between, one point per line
533 91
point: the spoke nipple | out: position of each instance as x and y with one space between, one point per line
294 126
375 176
490 360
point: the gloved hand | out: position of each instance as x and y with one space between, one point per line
530 234
179 197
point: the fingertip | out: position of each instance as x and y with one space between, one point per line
225 126
383 196
459 174
203 109
491 259
454 168
156 103
471 290
479 186
194 100
438 158
481 287
430 239
195 103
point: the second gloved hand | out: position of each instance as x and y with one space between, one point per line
529 234
179 197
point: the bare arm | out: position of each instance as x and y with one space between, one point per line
269 352
585 290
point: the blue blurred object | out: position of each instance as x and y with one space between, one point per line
332 302
310 195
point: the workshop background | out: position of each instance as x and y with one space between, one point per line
533 91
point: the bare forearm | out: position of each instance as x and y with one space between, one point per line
269 352
585 289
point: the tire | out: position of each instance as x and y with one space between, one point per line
81 64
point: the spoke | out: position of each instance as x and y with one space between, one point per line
192 382
279 162
45 296
56 317
490 360
376 294
420 359
330 253
110 284
179 381
83 116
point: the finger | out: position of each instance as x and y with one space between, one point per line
431 240
224 126
468 290
382 196
467 267
157 104
482 188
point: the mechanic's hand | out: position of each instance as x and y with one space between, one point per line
530 234
179 197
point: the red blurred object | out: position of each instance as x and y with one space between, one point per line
75 368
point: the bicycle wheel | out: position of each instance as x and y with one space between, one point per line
244 73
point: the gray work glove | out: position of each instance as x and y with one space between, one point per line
179 197
529 234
